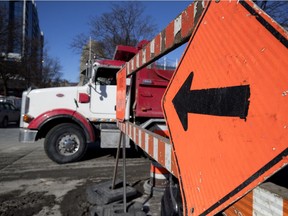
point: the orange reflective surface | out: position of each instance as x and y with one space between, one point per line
239 59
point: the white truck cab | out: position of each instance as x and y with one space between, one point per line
71 117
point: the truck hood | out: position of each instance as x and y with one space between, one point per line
42 100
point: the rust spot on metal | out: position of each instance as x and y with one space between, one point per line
199 9
178 38
285 93
220 136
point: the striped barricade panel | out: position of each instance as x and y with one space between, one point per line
266 199
159 148
174 35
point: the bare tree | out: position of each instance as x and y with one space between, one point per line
21 70
51 72
125 24
97 50
31 62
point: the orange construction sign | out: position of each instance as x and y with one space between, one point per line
121 95
226 106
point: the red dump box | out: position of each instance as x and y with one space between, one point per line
150 87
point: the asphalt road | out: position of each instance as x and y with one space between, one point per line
31 184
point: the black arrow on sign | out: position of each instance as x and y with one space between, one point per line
228 101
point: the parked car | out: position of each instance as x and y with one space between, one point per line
8 113
16 101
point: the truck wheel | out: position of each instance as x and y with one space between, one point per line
65 143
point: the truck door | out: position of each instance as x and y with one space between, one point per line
103 93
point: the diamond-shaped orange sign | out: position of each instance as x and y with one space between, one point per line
226 106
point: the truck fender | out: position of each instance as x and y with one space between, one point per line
50 115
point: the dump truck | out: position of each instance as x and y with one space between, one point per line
69 118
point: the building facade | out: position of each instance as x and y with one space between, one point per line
21 44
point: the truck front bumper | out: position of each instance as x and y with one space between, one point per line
27 136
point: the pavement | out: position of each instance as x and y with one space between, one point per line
31 184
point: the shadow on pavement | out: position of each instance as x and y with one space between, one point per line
94 151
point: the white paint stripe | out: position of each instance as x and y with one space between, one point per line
146 142
143 56
137 60
152 47
126 129
130 131
161 38
159 176
128 68
134 134
155 148
168 156
195 10
140 138
266 203
132 64
177 24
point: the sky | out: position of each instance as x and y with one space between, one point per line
61 21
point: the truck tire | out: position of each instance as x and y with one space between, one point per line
65 143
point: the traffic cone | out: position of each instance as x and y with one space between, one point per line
159 180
